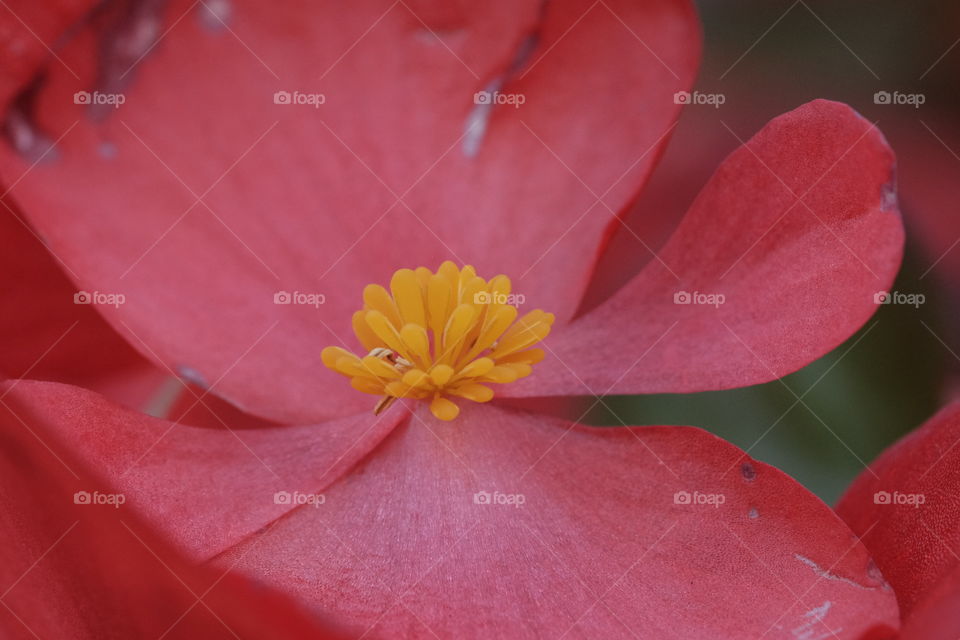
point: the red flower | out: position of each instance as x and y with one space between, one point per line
905 508
215 196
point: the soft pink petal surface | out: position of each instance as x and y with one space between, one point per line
48 336
936 617
204 487
505 524
89 570
200 198
907 508
797 231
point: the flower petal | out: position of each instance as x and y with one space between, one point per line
935 617
755 283
47 335
907 508
27 27
75 566
204 488
505 524
200 198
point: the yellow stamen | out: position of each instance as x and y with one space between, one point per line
443 334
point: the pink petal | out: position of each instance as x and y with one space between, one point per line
907 508
29 28
204 488
935 618
303 199
93 571
796 279
698 144
48 336
401 547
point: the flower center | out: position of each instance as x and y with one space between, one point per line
438 335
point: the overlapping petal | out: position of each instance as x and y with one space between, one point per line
666 531
221 198
778 261
204 488
49 334
443 527
907 508
73 566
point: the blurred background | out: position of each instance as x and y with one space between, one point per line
825 423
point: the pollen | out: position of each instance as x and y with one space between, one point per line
440 337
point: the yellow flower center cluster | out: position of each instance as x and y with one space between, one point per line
439 335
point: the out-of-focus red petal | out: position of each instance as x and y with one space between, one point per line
935 617
505 524
48 336
796 277
927 186
30 32
907 508
70 568
303 199
204 488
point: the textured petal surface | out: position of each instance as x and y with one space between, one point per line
504 524
936 617
204 488
200 197
777 262
75 567
48 336
907 508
